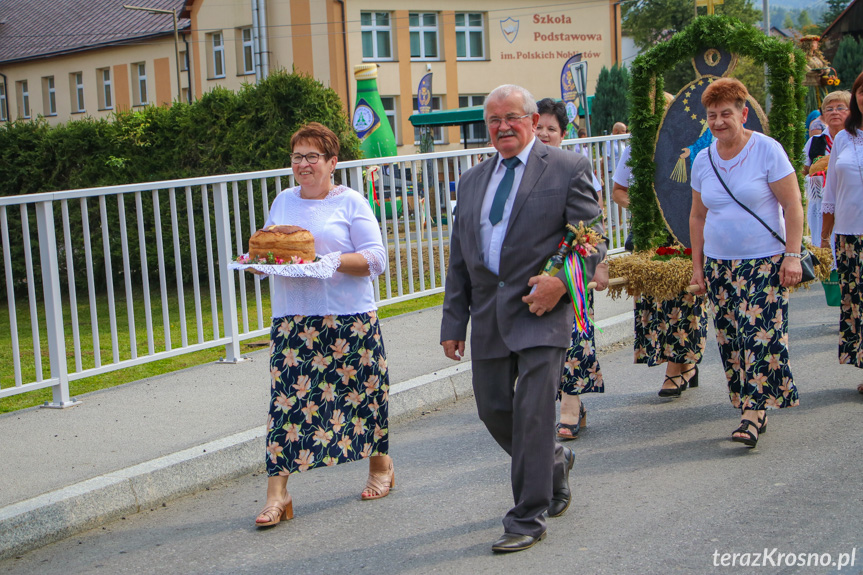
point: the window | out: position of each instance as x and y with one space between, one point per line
248 58
106 100
423 32
437 130
184 61
389 103
23 91
3 103
470 36
139 86
49 96
76 82
377 35
217 48
476 133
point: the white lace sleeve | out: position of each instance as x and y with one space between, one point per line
376 266
828 208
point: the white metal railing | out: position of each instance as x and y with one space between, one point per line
148 249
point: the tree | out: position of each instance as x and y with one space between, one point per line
788 23
834 8
848 61
610 100
803 20
650 22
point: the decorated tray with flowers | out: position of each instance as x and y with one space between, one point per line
322 267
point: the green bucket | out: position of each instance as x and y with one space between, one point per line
831 290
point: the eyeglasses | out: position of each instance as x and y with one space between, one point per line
511 119
311 158
839 109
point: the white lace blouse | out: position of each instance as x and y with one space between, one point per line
843 190
342 222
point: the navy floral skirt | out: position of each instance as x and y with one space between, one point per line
329 391
751 317
581 372
848 250
672 330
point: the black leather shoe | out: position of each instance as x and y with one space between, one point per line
562 496
511 542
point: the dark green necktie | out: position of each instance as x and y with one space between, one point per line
503 189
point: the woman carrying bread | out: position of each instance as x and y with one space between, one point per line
843 215
329 381
743 184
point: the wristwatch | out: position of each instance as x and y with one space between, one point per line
792 255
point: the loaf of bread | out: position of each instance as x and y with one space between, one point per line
283 242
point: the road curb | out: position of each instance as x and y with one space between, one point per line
58 514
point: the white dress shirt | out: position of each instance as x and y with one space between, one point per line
843 191
490 235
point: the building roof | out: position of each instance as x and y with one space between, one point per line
31 29
849 21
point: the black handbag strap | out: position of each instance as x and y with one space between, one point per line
739 203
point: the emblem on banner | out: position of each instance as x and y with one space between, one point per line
509 27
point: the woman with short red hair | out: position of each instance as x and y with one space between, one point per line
744 195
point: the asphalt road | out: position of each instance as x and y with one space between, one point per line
659 489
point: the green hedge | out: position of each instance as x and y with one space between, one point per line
223 132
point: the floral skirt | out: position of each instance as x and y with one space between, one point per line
848 251
581 372
329 390
672 330
751 317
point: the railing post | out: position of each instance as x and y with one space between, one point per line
224 252
53 306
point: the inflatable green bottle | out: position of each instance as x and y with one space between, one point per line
370 121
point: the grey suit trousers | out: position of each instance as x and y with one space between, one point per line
520 415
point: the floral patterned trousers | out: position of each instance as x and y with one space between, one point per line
329 391
751 318
581 371
848 251
672 330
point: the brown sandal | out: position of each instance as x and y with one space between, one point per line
379 487
273 514
860 388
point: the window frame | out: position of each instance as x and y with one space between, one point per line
77 92
4 103
50 96
22 87
466 30
140 90
436 104
374 29
248 65
421 29
472 138
218 54
106 89
391 114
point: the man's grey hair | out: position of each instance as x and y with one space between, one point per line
507 90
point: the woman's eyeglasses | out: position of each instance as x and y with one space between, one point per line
839 109
311 158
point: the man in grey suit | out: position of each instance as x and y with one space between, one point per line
512 214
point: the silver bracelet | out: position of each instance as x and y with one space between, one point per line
792 255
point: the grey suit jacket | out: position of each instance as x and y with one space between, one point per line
556 189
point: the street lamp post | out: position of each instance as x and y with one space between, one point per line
173 13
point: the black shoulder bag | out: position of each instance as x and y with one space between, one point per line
807 260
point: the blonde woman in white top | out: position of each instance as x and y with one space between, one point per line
842 208
329 381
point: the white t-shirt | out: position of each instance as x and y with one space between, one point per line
623 173
843 191
730 232
342 222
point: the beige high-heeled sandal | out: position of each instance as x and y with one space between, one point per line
379 487
275 513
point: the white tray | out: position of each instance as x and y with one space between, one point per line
316 269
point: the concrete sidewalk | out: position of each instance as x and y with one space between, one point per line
136 446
